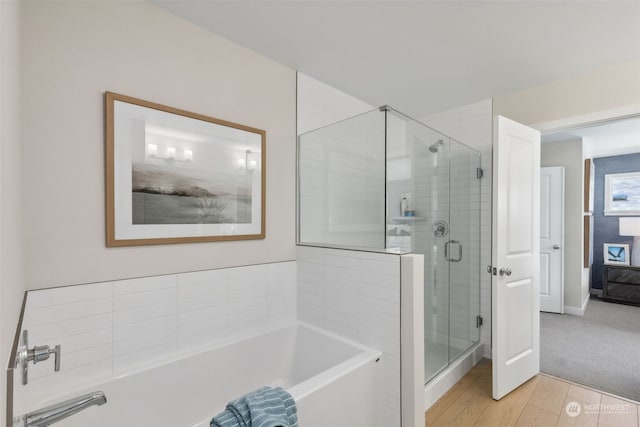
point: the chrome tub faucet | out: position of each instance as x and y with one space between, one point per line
59 411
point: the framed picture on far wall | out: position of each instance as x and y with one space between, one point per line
616 253
174 176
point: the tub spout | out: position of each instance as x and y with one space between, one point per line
59 411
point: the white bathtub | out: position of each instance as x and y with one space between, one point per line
332 380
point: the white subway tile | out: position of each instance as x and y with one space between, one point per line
132 301
281 272
148 312
141 342
366 277
132 330
50 332
196 290
284 286
144 284
380 267
215 301
379 292
68 311
248 271
68 294
208 316
202 277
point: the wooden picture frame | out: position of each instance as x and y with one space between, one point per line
173 176
588 185
586 233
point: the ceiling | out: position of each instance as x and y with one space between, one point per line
426 56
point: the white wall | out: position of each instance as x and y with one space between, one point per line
569 155
609 89
11 259
72 53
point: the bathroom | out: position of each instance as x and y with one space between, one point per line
57 237
127 314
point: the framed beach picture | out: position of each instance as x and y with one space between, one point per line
616 253
174 176
622 194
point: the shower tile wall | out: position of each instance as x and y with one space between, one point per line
357 295
112 328
320 105
472 125
342 183
353 165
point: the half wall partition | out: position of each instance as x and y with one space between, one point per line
382 181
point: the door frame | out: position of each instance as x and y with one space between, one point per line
580 121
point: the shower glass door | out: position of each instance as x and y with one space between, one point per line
433 208
418 213
464 254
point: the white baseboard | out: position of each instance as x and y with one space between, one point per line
577 311
438 386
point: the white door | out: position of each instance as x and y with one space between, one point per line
551 239
515 280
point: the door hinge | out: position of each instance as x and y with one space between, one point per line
479 173
479 321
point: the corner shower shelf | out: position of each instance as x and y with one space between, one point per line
408 218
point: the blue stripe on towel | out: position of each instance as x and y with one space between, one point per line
265 407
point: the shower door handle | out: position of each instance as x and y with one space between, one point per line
447 253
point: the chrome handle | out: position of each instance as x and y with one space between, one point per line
37 354
446 251
556 246
504 271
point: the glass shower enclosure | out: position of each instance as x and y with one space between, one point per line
384 181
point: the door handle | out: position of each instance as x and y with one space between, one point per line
504 271
556 246
448 256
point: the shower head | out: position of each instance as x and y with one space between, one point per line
434 148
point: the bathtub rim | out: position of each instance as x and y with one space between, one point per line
308 386
208 347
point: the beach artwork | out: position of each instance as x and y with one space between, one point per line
179 177
166 195
622 194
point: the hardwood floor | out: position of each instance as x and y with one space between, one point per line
543 401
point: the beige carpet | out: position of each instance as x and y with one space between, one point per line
600 349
